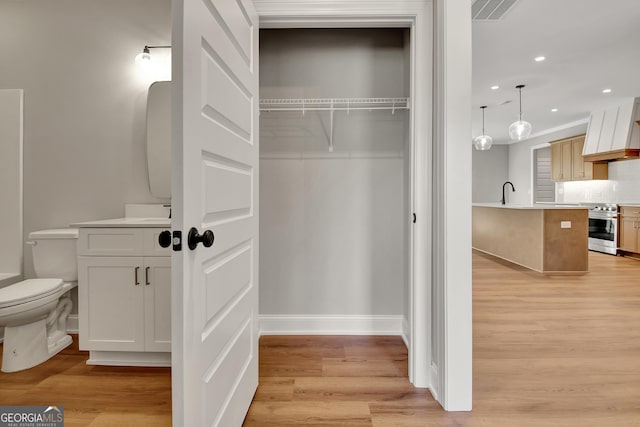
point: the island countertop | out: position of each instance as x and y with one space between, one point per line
544 238
533 206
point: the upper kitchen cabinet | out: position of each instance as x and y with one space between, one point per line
612 134
568 164
561 159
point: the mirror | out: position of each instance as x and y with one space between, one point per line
159 139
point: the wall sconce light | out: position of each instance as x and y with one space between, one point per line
145 56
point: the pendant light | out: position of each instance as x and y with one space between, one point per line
482 142
520 130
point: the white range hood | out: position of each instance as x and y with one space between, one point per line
614 134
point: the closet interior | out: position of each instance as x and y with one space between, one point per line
335 153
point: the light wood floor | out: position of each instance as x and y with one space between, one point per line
548 351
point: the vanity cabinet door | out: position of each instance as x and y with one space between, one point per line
157 304
110 303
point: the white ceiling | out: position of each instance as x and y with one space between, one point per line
590 45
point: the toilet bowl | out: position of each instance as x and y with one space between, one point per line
34 312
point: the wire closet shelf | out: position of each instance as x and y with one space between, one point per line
334 104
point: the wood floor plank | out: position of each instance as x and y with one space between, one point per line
369 389
308 413
356 367
117 419
275 388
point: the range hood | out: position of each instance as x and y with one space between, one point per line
614 134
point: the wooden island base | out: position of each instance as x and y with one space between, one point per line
544 239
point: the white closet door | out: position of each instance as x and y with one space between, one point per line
215 163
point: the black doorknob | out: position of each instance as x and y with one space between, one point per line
194 238
164 239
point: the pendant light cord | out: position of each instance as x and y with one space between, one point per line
520 104
519 87
483 107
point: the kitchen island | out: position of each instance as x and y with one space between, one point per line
543 237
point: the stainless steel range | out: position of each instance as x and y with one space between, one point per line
603 227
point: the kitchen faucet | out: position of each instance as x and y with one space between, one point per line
503 201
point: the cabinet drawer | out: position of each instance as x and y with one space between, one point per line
121 242
110 241
150 246
630 211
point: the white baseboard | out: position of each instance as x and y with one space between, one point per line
73 324
405 331
330 325
435 382
129 358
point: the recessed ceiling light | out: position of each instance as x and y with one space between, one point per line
495 87
606 91
553 110
539 58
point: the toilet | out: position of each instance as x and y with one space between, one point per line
34 312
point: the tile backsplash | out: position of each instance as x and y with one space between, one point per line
623 186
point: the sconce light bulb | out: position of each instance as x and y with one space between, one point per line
143 58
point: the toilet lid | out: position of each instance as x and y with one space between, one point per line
28 290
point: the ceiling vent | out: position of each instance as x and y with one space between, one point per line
490 10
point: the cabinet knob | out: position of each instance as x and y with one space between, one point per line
205 238
164 239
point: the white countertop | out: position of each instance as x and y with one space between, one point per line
541 206
129 222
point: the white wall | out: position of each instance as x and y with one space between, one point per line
490 169
84 104
520 162
10 185
331 236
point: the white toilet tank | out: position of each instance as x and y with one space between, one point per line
55 253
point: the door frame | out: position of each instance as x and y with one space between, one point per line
416 15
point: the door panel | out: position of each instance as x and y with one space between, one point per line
566 160
556 162
157 303
577 161
110 292
215 295
228 189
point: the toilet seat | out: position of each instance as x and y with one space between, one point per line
28 290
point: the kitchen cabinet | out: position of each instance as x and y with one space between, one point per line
561 157
124 296
630 228
567 163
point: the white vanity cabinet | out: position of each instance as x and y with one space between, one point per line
124 296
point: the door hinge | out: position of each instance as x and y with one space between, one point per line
177 240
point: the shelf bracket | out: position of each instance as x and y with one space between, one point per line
331 128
